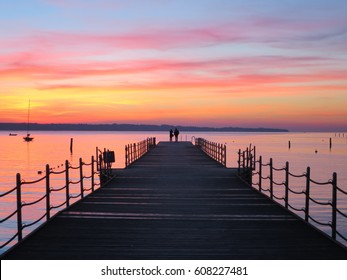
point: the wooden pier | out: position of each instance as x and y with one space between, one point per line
176 203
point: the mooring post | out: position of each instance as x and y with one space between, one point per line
286 184
71 145
67 183
48 192
19 207
334 206
289 145
307 193
330 143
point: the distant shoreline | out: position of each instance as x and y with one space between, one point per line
128 127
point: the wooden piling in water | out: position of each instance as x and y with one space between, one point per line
71 145
330 143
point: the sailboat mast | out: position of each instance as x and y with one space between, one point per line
28 118
28 138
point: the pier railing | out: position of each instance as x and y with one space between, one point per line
246 163
134 151
97 166
253 172
214 150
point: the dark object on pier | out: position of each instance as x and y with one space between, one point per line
109 156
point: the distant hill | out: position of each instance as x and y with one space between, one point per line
128 127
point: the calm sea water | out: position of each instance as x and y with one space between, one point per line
53 148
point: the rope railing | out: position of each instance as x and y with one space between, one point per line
134 151
214 150
103 169
252 170
8 192
341 236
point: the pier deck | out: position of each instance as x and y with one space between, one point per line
176 203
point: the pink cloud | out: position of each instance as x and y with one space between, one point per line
230 74
158 39
143 38
57 65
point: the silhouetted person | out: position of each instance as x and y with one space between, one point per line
171 135
176 134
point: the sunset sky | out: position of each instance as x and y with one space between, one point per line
248 63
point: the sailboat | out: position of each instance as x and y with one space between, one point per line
28 138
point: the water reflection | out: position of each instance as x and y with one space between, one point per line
54 148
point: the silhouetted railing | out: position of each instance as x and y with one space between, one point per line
215 150
246 163
250 169
97 167
136 150
104 166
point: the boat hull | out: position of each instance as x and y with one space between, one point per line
28 139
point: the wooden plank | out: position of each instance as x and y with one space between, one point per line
176 203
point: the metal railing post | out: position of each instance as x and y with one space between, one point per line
260 172
97 155
81 178
307 193
225 155
247 159
48 191
92 179
239 163
126 155
243 161
286 184
101 173
19 207
334 205
250 171
134 151
67 182
251 163
271 179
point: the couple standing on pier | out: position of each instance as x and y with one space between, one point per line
172 133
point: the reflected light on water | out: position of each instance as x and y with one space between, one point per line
53 148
